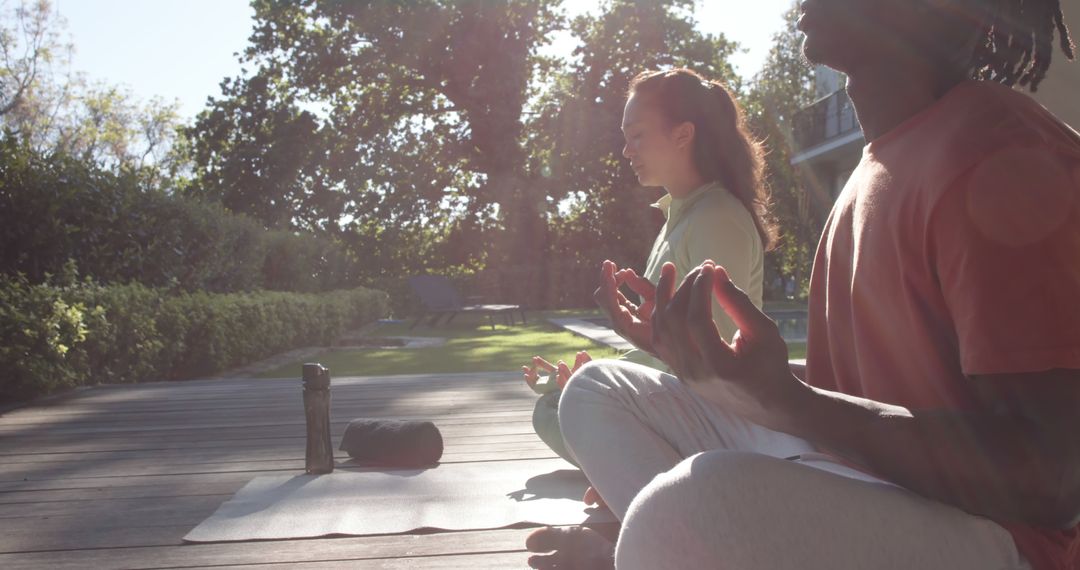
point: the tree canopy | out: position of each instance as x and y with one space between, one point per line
423 135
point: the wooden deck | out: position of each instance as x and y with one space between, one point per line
114 476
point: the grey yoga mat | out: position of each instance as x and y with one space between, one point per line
460 496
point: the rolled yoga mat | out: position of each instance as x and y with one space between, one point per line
393 443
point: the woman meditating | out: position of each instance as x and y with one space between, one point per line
688 136
935 424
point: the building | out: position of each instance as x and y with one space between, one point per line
829 142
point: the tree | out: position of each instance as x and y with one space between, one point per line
52 109
784 86
31 45
257 153
418 124
435 135
608 212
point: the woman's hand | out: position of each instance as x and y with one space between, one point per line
561 370
749 377
632 322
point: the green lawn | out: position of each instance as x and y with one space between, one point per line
471 347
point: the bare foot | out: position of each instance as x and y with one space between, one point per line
572 548
592 497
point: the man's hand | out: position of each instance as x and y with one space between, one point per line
631 321
1014 457
749 377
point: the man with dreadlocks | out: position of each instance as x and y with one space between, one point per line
937 424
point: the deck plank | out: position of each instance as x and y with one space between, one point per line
284 551
115 476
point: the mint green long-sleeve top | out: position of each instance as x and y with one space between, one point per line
709 223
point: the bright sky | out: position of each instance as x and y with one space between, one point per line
182 49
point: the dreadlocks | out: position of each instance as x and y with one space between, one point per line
1017 43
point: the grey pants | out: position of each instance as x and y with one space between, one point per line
698 488
545 420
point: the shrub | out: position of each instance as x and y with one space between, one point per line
40 333
120 229
55 336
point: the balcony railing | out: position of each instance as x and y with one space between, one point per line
828 119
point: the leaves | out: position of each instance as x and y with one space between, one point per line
53 109
121 228
581 114
436 135
49 340
783 87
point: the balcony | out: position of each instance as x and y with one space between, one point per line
830 120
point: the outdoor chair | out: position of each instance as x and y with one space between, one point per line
440 298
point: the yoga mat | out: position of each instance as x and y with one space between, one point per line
463 496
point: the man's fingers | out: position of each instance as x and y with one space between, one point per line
644 289
676 326
701 324
669 315
622 316
680 302
665 289
752 322
626 304
605 294
638 284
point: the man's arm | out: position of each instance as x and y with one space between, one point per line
1018 459
1014 457
798 369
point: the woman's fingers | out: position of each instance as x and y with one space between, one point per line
529 374
542 364
563 375
582 358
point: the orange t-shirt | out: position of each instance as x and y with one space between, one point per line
954 251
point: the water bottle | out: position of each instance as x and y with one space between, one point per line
319 458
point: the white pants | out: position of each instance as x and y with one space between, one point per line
697 488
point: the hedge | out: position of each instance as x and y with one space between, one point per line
55 336
121 229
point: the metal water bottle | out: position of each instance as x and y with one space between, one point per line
320 451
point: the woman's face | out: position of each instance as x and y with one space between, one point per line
656 150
